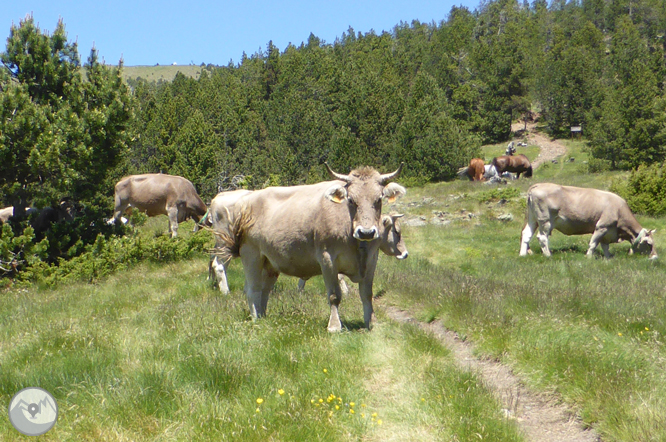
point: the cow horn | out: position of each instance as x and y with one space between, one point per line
385 178
336 175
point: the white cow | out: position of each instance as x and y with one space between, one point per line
579 211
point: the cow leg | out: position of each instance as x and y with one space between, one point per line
594 241
365 290
269 277
119 208
606 250
172 212
544 231
526 236
301 285
219 270
343 285
333 292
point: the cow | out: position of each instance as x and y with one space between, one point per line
219 214
579 211
476 170
513 163
159 194
321 229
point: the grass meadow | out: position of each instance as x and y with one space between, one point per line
154 353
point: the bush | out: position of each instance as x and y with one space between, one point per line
105 256
645 190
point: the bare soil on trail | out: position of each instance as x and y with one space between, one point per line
549 149
541 418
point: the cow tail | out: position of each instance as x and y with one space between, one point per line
230 241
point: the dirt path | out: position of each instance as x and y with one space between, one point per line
550 149
540 418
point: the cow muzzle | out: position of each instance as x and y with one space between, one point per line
404 255
363 234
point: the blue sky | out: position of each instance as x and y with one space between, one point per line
185 32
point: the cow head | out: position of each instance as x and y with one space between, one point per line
391 237
644 243
363 191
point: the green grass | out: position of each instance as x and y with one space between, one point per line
155 354
590 330
164 73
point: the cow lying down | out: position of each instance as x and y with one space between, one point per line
579 211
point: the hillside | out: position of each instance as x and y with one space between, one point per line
161 72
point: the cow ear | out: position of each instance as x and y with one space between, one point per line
336 193
393 191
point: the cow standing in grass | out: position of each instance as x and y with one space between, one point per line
580 211
303 231
159 194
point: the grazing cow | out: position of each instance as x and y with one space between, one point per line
513 163
159 194
579 211
321 229
476 170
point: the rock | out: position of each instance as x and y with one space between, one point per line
414 222
505 217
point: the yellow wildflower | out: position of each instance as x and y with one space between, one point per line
321 400
325 370
374 414
619 334
258 410
337 407
280 392
647 328
379 421
351 404
260 401
351 411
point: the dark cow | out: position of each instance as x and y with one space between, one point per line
159 194
513 163
580 211
303 231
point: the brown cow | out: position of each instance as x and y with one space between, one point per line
159 194
513 163
476 170
321 229
579 211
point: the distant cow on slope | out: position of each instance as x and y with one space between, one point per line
579 211
513 163
159 194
